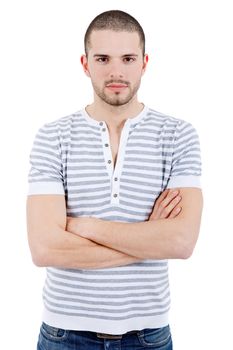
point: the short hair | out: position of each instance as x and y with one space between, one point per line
115 20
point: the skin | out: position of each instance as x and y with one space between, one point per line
121 65
173 238
115 72
115 66
52 244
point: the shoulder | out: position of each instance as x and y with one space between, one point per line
169 122
164 118
60 129
63 123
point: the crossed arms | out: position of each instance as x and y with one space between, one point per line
58 241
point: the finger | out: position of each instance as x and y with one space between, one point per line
175 212
162 201
163 206
162 196
170 196
154 214
168 208
156 211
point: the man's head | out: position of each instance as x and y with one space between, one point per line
115 59
117 21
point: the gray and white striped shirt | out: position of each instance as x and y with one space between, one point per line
72 156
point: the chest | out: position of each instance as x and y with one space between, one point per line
125 171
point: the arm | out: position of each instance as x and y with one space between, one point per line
52 245
158 239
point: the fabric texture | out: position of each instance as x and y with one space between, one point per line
72 157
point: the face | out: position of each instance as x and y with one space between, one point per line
115 64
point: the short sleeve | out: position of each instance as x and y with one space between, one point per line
186 160
46 175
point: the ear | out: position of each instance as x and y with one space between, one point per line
145 62
84 63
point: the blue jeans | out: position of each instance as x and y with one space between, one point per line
52 338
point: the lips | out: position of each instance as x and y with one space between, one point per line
116 85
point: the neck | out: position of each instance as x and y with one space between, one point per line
114 116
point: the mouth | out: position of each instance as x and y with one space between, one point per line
116 86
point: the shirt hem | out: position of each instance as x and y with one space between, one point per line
184 181
103 326
45 188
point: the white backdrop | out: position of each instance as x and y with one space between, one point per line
189 76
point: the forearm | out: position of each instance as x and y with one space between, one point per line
160 239
157 239
52 244
67 250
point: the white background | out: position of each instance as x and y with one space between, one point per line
189 76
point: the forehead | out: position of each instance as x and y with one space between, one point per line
110 42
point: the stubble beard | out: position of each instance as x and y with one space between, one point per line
116 99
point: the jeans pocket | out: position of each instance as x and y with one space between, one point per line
53 333
158 338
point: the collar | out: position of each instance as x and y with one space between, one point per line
130 121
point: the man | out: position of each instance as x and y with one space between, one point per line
95 177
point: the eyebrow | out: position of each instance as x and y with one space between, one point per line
99 55
126 55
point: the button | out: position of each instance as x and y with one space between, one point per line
101 123
104 129
106 145
109 161
115 195
115 179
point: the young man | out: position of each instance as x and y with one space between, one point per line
114 192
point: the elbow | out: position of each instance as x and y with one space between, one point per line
39 259
186 245
40 255
185 252
41 248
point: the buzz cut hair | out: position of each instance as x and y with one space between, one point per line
115 20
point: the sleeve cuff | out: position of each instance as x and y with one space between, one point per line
184 181
45 188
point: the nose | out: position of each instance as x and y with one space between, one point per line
116 70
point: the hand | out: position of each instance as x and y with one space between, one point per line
166 205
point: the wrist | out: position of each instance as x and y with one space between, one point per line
88 227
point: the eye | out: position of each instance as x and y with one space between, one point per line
129 59
102 59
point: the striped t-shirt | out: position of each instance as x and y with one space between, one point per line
72 157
